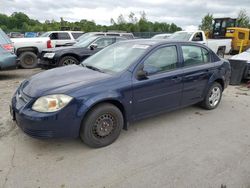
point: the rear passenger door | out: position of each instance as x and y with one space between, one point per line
197 69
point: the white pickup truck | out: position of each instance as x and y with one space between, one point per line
219 46
27 49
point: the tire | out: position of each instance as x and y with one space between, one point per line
211 102
68 60
28 60
102 125
221 53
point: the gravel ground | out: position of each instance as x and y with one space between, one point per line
191 147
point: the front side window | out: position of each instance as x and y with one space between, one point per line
162 60
194 55
103 42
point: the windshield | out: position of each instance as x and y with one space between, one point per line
117 57
85 43
181 36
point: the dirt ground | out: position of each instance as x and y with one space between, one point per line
191 147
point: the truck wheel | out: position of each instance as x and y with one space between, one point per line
102 125
221 53
28 60
68 60
213 97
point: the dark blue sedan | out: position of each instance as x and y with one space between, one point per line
125 82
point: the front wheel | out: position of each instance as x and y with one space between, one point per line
102 125
28 60
68 60
213 97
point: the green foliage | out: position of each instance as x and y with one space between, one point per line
20 22
207 23
243 19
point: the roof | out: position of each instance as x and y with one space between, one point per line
156 42
239 28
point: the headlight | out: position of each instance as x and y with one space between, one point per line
51 103
49 55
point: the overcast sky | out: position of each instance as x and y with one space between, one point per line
185 13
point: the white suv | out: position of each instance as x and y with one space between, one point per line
63 38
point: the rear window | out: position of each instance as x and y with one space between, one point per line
76 35
4 39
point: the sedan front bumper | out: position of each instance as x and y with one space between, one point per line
61 124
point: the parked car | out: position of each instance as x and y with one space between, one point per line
77 53
117 34
244 56
63 38
219 46
7 56
124 82
15 35
161 36
27 50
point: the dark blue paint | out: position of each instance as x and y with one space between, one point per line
138 98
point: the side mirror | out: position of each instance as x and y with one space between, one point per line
93 46
141 75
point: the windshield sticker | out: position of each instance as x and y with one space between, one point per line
140 46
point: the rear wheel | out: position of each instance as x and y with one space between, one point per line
28 60
213 97
221 52
102 125
68 60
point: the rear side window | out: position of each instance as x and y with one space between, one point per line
162 60
59 36
63 36
194 55
76 35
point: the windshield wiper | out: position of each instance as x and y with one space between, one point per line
92 68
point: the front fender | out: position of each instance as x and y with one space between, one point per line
88 103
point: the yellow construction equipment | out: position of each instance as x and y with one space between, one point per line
240 38
227 28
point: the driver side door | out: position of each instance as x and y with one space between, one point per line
161 90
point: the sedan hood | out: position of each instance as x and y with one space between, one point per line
61 80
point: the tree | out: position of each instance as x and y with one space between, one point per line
243 19
20 22
207 23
